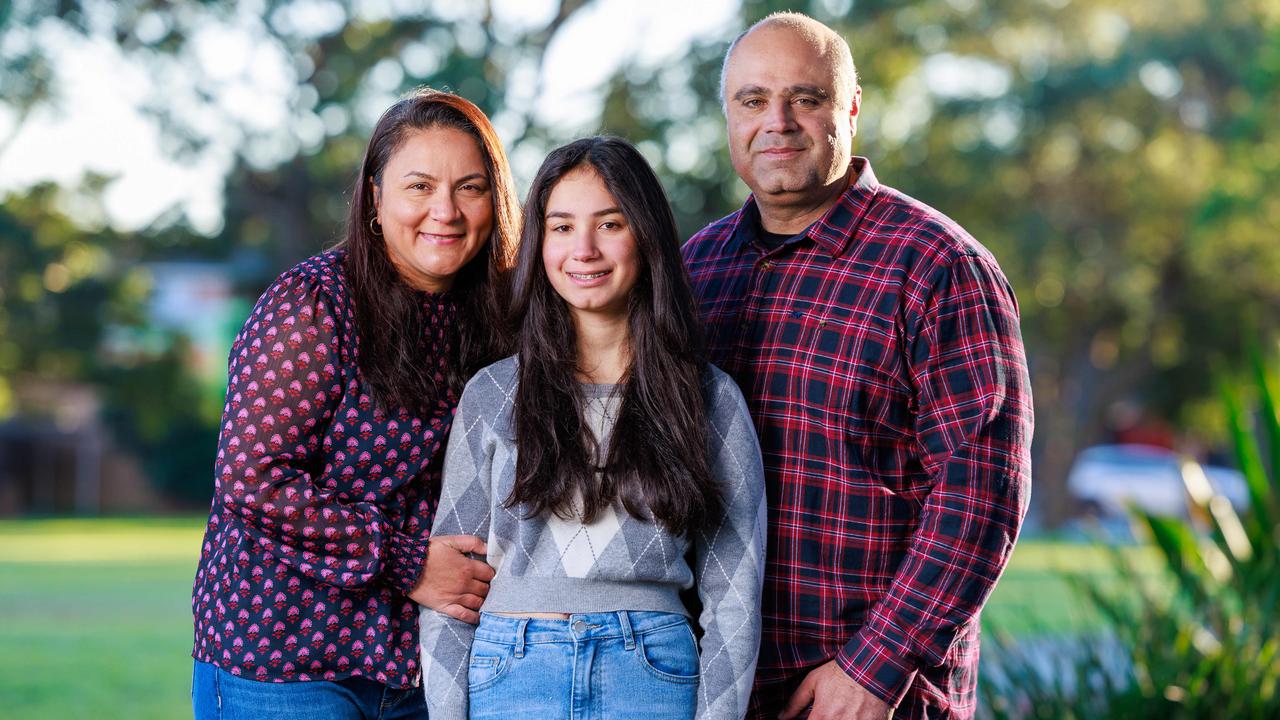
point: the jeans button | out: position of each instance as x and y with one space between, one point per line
579 626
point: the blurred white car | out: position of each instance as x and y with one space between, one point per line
1104 479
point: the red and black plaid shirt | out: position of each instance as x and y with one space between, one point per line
881 357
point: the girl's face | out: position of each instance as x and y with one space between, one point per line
435 206
588 250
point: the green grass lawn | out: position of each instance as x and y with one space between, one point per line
1033 598
96 615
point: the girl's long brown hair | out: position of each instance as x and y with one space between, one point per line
656 462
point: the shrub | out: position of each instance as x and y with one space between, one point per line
1204 644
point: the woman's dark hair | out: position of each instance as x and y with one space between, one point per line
388 311
656 463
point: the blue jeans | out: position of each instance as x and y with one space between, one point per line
598 666
218 695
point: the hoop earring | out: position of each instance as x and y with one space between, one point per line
375 228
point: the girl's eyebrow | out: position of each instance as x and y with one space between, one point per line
598 213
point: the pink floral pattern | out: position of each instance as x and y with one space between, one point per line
322 500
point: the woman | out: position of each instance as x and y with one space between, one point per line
592 460
341 390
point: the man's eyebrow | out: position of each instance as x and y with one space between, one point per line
807 90
753 90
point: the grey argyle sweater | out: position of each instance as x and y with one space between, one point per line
618 562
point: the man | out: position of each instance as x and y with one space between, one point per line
878 346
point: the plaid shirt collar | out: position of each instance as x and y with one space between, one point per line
834 232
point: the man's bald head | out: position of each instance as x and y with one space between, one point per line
826 42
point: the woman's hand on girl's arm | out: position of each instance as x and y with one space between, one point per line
451 582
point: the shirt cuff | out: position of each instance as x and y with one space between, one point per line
873 665
406 557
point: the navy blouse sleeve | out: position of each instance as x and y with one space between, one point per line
286 381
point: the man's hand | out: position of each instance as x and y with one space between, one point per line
834 696
451 582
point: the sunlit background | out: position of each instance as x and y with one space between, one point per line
162 162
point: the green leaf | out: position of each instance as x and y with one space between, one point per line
1177 543
1269 421
1260 519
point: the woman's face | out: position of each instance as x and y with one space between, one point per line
588 250
435 205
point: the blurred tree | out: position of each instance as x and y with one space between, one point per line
56 292
73 313
286 185
1114 155
340 65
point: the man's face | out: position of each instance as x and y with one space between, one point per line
790 127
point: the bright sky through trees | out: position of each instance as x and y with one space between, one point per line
98 124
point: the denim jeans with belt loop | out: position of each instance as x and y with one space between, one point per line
219 695
594 666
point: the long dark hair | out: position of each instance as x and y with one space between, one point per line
656 463
388 311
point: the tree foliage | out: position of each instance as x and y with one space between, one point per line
1116 156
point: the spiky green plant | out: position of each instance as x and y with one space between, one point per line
1203 644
